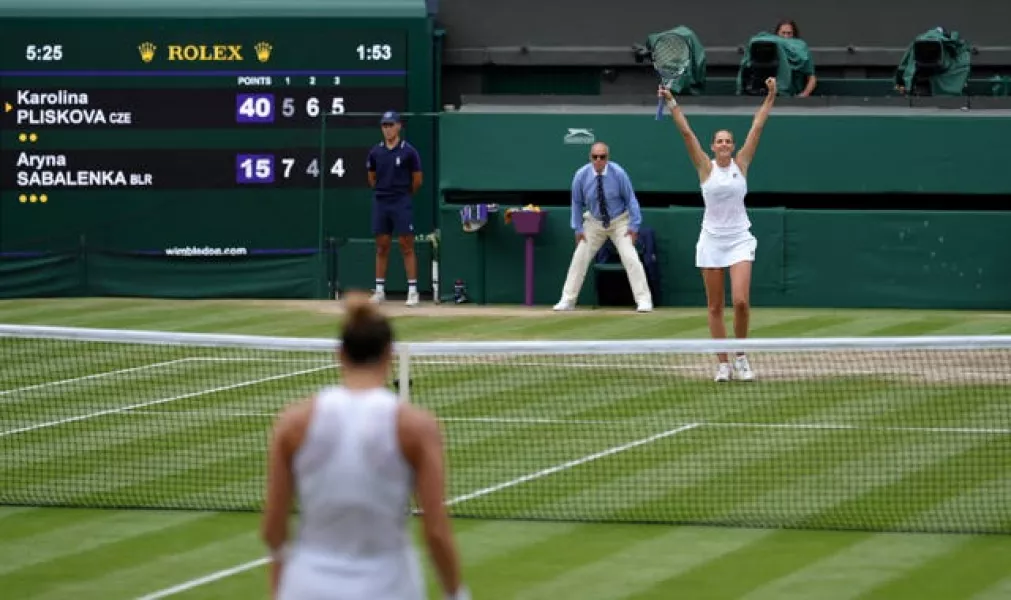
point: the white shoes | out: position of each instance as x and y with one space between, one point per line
412 298
741 372
742 369
643 307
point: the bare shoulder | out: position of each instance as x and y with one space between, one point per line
293 421
418 431
418 421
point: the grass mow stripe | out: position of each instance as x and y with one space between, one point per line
131 407
94 376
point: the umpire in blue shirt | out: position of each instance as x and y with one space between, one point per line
394 168
604 206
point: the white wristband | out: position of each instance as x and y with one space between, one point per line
672 103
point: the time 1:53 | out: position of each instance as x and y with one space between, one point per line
374 52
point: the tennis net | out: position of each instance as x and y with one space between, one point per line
888 434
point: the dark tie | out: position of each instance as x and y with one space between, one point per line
602 202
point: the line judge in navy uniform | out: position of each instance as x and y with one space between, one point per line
394 168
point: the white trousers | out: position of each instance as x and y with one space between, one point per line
596 235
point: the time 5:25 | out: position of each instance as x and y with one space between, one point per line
374 52
44 52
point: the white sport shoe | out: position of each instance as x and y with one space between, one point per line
742 369
413 298
644 307
722 373
563 305
378 297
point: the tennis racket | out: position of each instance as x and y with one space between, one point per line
671 57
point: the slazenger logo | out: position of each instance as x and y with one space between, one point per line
579 136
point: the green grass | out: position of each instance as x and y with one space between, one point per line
596 438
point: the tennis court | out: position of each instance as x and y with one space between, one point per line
559 455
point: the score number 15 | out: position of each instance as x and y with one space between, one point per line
259 108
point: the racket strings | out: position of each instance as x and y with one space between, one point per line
670 56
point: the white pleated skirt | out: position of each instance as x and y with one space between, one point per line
714 252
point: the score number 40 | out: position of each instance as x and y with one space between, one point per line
260 168
259 108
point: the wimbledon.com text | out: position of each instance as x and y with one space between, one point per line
204 251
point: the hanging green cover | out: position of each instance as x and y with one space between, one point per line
956 61
795 64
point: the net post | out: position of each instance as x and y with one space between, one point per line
404 372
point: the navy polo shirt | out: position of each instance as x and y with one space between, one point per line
394 169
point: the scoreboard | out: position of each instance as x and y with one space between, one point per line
149 133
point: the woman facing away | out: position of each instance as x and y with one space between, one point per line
725 241
355 454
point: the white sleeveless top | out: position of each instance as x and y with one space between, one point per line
723 194
354 488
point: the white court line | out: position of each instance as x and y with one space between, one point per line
189 585
121 409
212 577
259 360
532 421
639 421
94 376
837 426
571 463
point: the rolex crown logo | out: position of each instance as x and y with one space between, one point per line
263 50
147 51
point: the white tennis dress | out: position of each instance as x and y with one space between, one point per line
354 486
726 237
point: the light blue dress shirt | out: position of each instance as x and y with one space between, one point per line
618 195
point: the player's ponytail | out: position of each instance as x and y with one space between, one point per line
366 337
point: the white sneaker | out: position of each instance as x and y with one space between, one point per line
413 298
644 307
378 297
722 373
563 305
742 369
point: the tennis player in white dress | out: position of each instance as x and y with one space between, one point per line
355 454
725 242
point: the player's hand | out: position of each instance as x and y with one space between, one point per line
633 235
662 92
770 83
580 237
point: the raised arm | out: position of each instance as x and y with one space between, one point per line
747 152
697 155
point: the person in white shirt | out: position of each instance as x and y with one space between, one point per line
725 241
354 453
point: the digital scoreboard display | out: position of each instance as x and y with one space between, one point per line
172 127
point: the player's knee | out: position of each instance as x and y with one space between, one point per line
406 246
741 305
382 247
716 310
